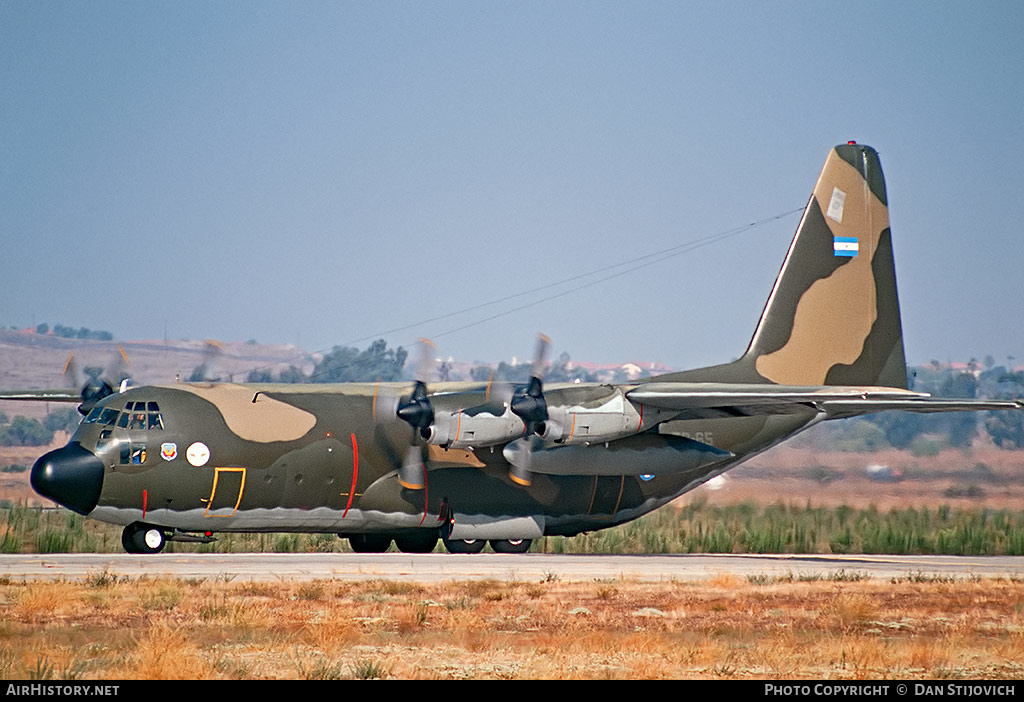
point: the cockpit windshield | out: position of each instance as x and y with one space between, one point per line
135 415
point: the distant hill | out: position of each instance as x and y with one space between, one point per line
33 361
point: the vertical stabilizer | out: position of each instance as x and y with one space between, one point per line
833 317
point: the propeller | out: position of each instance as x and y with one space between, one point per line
95 382
416 411
210 367
528 404
528 401
499 391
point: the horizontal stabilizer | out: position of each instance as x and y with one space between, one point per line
851 408
835 401
60 395
655 454
757 399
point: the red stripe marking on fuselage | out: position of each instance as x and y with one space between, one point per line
145 500
425 502
355 474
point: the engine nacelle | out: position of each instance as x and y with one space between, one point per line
610 418
484 425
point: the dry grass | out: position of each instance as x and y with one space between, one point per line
722 628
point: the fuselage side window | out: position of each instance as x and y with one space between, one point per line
132 453
103 441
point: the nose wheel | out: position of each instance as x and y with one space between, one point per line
143 538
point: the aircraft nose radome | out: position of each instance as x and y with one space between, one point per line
70 476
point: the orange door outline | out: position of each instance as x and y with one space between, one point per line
213 492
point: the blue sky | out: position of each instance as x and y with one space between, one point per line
320 173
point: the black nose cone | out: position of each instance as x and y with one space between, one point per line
70 476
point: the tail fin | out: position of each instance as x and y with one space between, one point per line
833 317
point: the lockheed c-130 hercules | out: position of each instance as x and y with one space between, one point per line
472 462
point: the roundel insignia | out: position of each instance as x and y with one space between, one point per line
198 454
169 451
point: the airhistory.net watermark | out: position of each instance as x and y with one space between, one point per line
52 690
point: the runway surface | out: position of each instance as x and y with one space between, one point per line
436 567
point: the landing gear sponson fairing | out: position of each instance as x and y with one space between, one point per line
466 462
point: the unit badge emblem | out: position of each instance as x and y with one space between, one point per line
198 454
168 451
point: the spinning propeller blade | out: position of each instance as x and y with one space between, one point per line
416 411
528 404
97 383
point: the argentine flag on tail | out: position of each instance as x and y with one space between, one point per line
845 245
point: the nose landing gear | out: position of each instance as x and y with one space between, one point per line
143 538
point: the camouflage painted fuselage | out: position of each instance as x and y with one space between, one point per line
311 458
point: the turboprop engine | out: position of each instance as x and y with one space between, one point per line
604 415
592 415
573 418
524 419
484 425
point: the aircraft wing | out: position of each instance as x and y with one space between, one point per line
702 399
56 395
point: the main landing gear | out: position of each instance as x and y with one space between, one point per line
477 545
417 543
511 545
370 543
464 545
426 541
406 543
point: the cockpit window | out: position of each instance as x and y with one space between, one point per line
102 416
136 415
